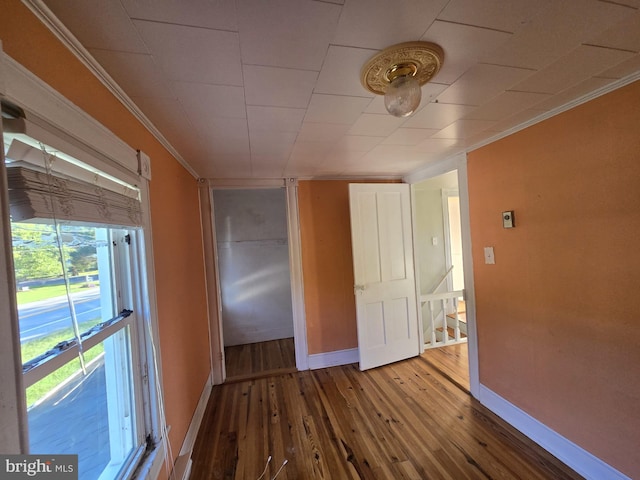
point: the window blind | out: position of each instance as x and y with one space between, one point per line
46 183
37 195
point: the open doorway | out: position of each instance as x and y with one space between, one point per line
255 285
440 272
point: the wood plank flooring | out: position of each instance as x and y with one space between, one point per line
261 359
401 421
452 361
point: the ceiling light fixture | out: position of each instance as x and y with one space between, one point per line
398 72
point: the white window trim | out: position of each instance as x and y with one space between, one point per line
48 107
13 428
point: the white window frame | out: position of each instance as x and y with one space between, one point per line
82 136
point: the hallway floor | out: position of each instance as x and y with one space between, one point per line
261 359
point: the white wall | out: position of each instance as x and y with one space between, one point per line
253 261
429 224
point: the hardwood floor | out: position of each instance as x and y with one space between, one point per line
452 361
261 359
401 421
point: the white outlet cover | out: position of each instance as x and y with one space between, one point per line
489 257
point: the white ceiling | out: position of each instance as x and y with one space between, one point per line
271 88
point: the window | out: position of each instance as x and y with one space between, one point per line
86 349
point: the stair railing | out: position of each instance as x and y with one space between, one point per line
447 316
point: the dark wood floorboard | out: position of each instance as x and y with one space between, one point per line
260 359
452 361
401 421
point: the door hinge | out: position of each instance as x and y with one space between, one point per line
127 239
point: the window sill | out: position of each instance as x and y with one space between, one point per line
151 466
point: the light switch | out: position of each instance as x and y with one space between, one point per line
489 258
434 241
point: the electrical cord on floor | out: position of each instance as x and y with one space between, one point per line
267 466
280 469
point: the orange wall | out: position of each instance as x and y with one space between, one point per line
327 265
557 315
175 216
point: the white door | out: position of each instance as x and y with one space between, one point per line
383 266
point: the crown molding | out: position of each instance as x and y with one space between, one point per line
62 33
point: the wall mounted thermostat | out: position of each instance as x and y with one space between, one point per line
507 219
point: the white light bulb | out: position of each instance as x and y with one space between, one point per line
403 96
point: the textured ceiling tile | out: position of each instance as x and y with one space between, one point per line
555 31
436 145
462 129
584 62
507 16
268 143
340 73
409 136
506 104
574 92
335 109
114 31
169 117
624 35
220 14
356 143
519 118
137 74
278 87
286 33
481 83
376 23
225 128
623 69
462 45
201 100
191 54
375 125
267 167
275 118
321 132
437 115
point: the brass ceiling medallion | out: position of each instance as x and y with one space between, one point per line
421 60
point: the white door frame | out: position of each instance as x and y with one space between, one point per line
446 194
459 163
213 277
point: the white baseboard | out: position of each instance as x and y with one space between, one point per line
333 359
182 465
583 462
